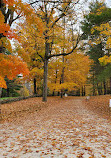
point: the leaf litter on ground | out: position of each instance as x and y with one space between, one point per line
61 128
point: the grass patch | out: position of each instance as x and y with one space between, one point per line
5 98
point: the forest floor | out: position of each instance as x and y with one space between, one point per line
71 127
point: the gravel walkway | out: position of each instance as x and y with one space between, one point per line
63 130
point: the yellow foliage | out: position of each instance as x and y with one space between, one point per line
58 87
75 67
36 72
24 92
108 42
105 60
100 10
105 31
4 42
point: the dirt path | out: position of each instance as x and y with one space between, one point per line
62 130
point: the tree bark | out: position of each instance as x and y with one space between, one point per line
35 88
61 94
8 91
62 77
45 80
0 102
104 84
93 85
53 93
58 93
0 92
82 91
110 85
99 89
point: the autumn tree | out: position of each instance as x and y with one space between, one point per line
10 65
10 11
58 64
28 47
76 67
50 13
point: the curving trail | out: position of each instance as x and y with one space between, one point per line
64 129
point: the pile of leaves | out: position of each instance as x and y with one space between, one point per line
21 108
99 105
62 128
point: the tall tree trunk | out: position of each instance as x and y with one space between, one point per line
45 80
78 93
0 92
104 84
53 93
8 92
61 93
35 88
82 91
62 75
93 85
99 90
110 85
47 52
0 103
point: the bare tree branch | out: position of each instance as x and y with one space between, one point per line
62 15
7 15
40 56
11 18
18 16
48 1
64 54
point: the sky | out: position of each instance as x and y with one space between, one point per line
108 2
